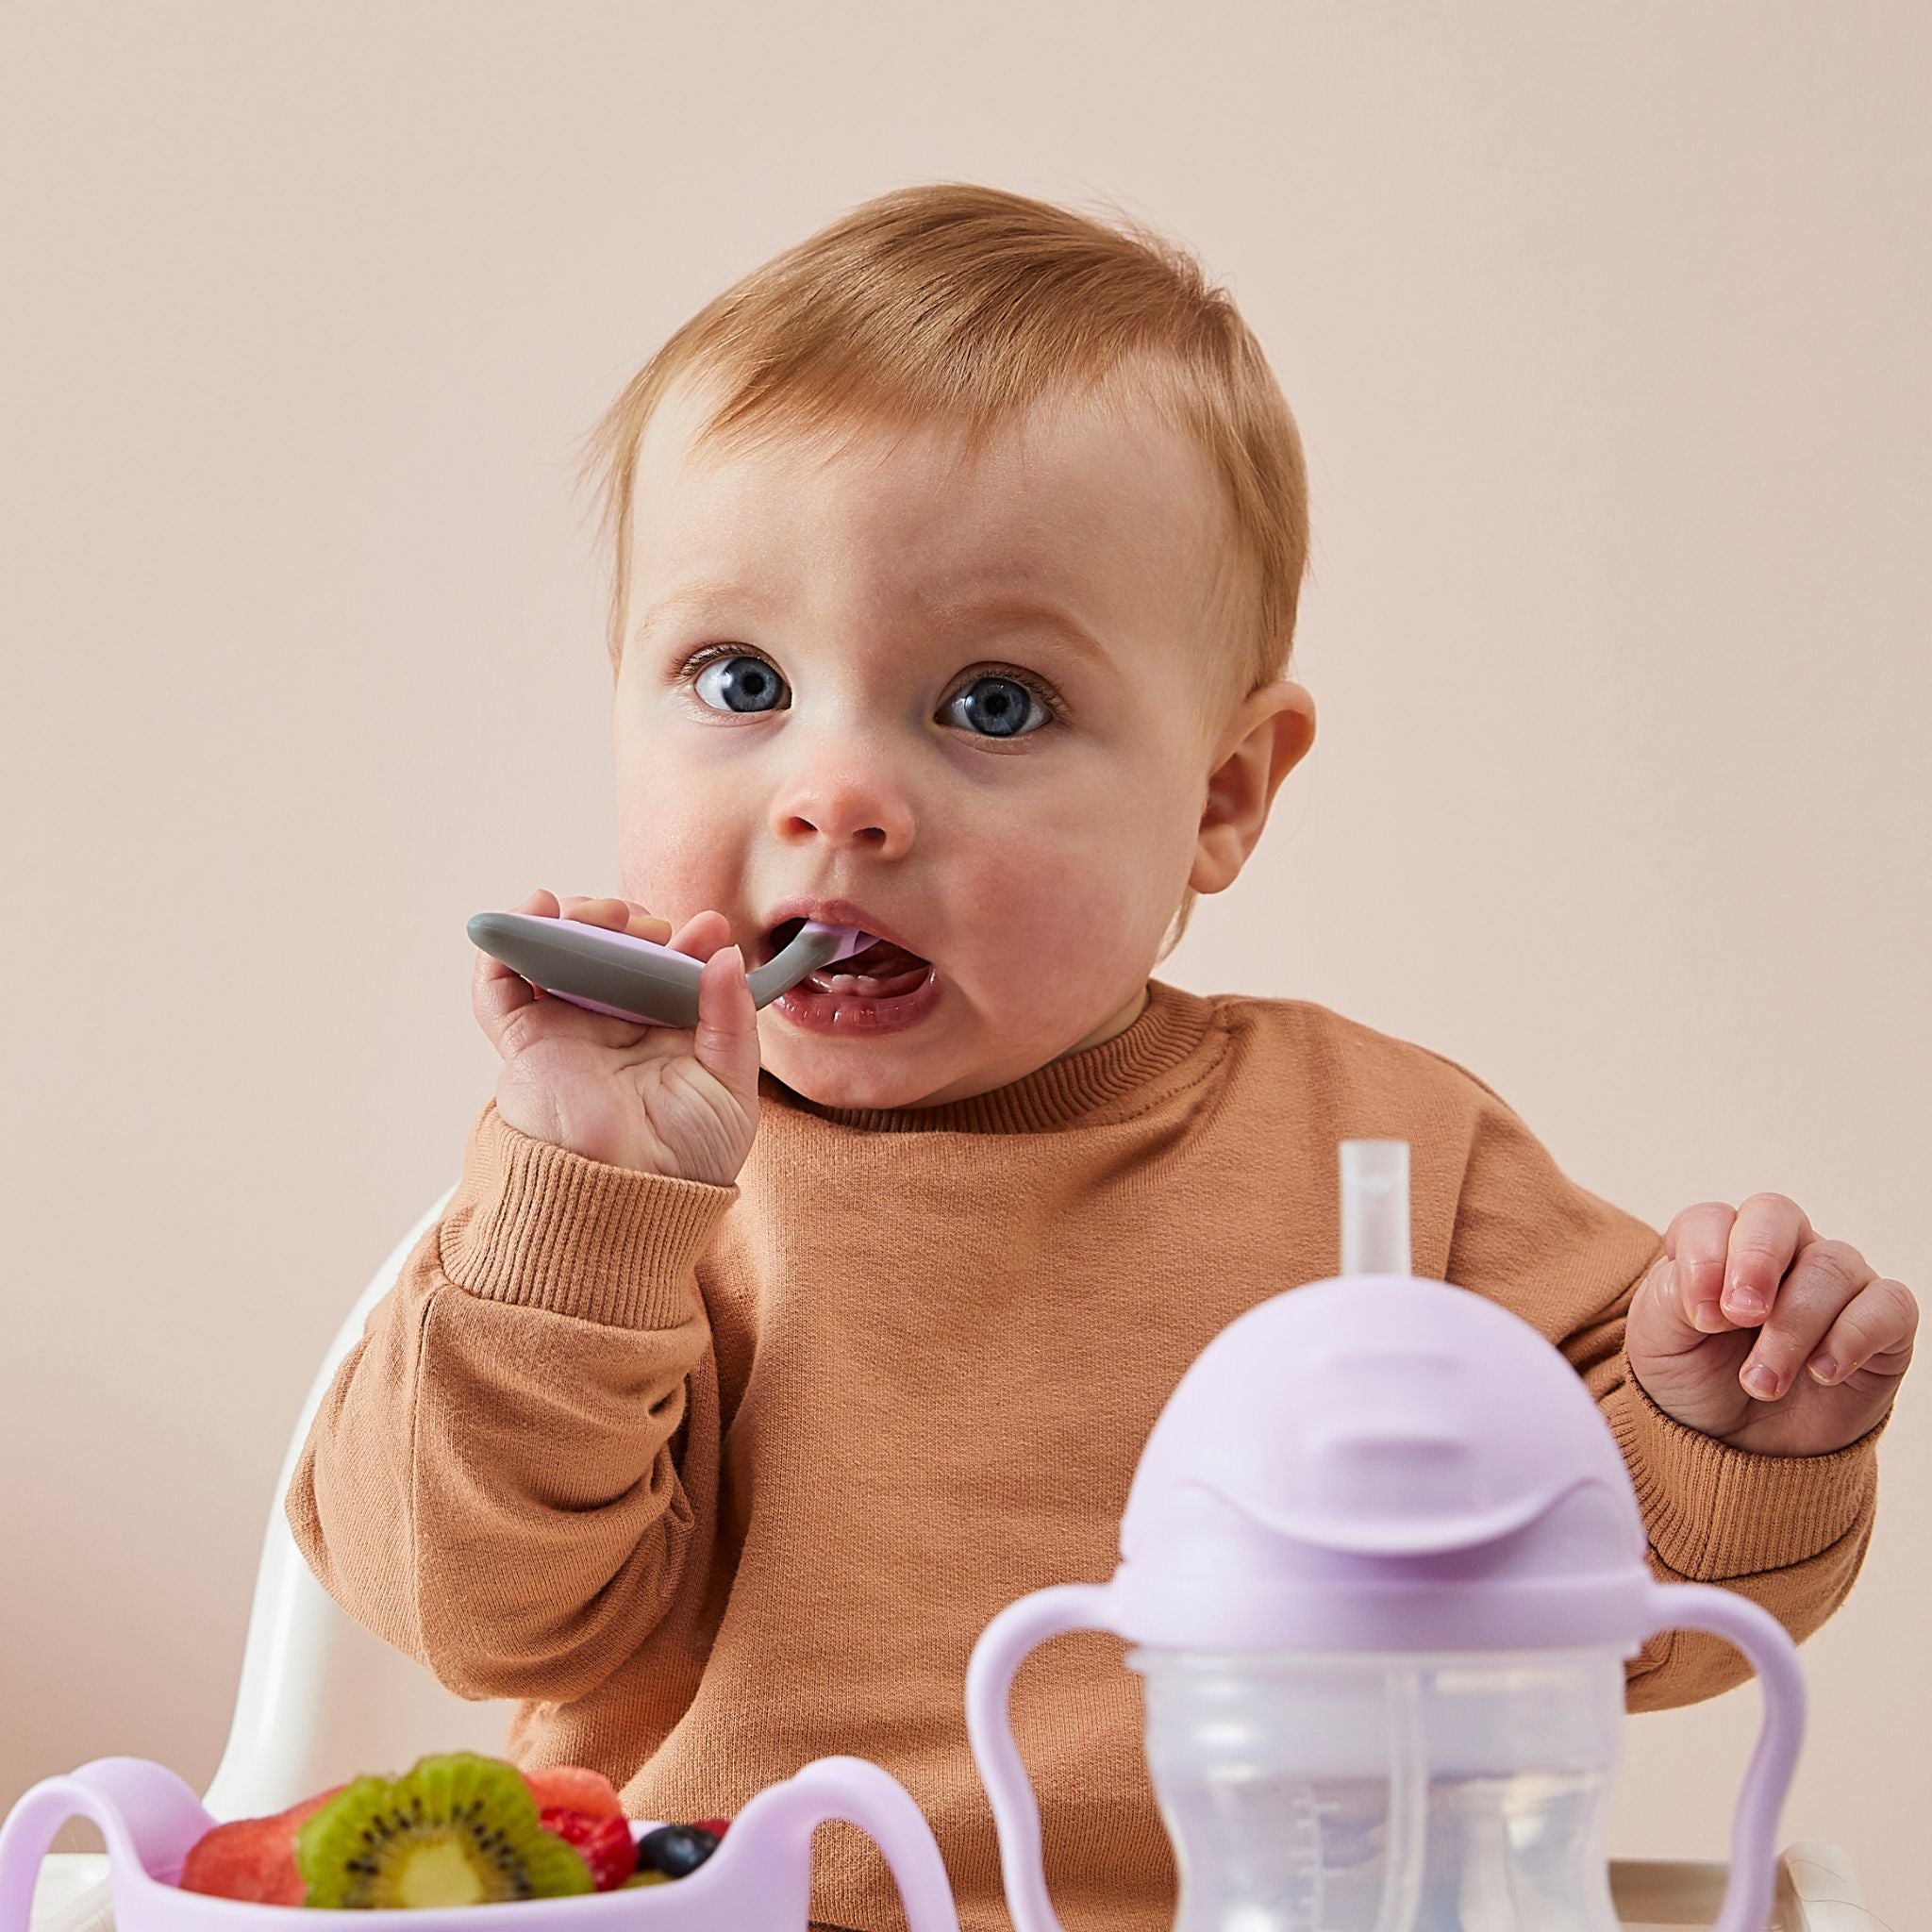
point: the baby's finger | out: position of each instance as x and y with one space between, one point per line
1874 1330
646 924
1826 1277
1658 1322
725 1041
1696 1242
701 935
497 991
1770 1230
611 913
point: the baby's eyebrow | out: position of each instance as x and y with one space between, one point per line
1018 610
700 596
1029 613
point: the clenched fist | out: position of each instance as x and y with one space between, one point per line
1754 1329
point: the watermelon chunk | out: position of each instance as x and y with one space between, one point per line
253 1858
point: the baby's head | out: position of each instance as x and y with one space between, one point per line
957 552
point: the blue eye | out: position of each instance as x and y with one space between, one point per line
746 684
993 704
999 707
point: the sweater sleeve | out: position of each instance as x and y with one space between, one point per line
1787 1531
1790 1532
495 1481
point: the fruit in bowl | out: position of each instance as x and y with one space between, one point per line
253 1858
458 1829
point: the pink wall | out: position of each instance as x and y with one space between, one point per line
1606 333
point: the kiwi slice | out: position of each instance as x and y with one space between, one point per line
458 1829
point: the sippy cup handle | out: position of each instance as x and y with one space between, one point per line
1760 1798
1004 1644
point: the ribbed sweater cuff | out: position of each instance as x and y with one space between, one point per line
537 1225
1716 1513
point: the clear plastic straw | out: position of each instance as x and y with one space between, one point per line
1374 1208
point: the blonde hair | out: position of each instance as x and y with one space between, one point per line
956 303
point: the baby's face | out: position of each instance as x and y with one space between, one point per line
973 701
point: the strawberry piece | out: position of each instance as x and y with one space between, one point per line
573 1786
716 1827
603 1843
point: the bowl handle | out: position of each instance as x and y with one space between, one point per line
773 1837
148 1817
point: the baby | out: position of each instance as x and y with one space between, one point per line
755 1367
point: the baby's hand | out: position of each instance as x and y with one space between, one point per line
669 1100
1754 1329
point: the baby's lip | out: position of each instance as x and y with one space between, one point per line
828 913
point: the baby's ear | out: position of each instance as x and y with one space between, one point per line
1289 714
1267 737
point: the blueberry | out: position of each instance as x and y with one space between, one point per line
675 1850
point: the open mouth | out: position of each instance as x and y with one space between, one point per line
882 971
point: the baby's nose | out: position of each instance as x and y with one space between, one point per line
845 809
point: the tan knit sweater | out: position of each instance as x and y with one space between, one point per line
720 1480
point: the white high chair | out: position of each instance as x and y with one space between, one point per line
322 1700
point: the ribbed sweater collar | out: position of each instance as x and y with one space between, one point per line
1171 1029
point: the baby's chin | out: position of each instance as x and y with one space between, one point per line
926 1065
945 1057
882 1073
848 1088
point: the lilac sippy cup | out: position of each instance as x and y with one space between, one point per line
1382 1564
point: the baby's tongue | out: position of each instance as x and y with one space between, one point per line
880 960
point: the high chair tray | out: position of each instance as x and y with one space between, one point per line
1816 1892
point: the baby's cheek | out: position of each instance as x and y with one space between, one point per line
668 853
1062 917
669 889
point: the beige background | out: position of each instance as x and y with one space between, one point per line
1607 331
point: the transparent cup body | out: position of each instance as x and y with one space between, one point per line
1382 1793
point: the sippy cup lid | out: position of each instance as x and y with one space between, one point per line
1377 1462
